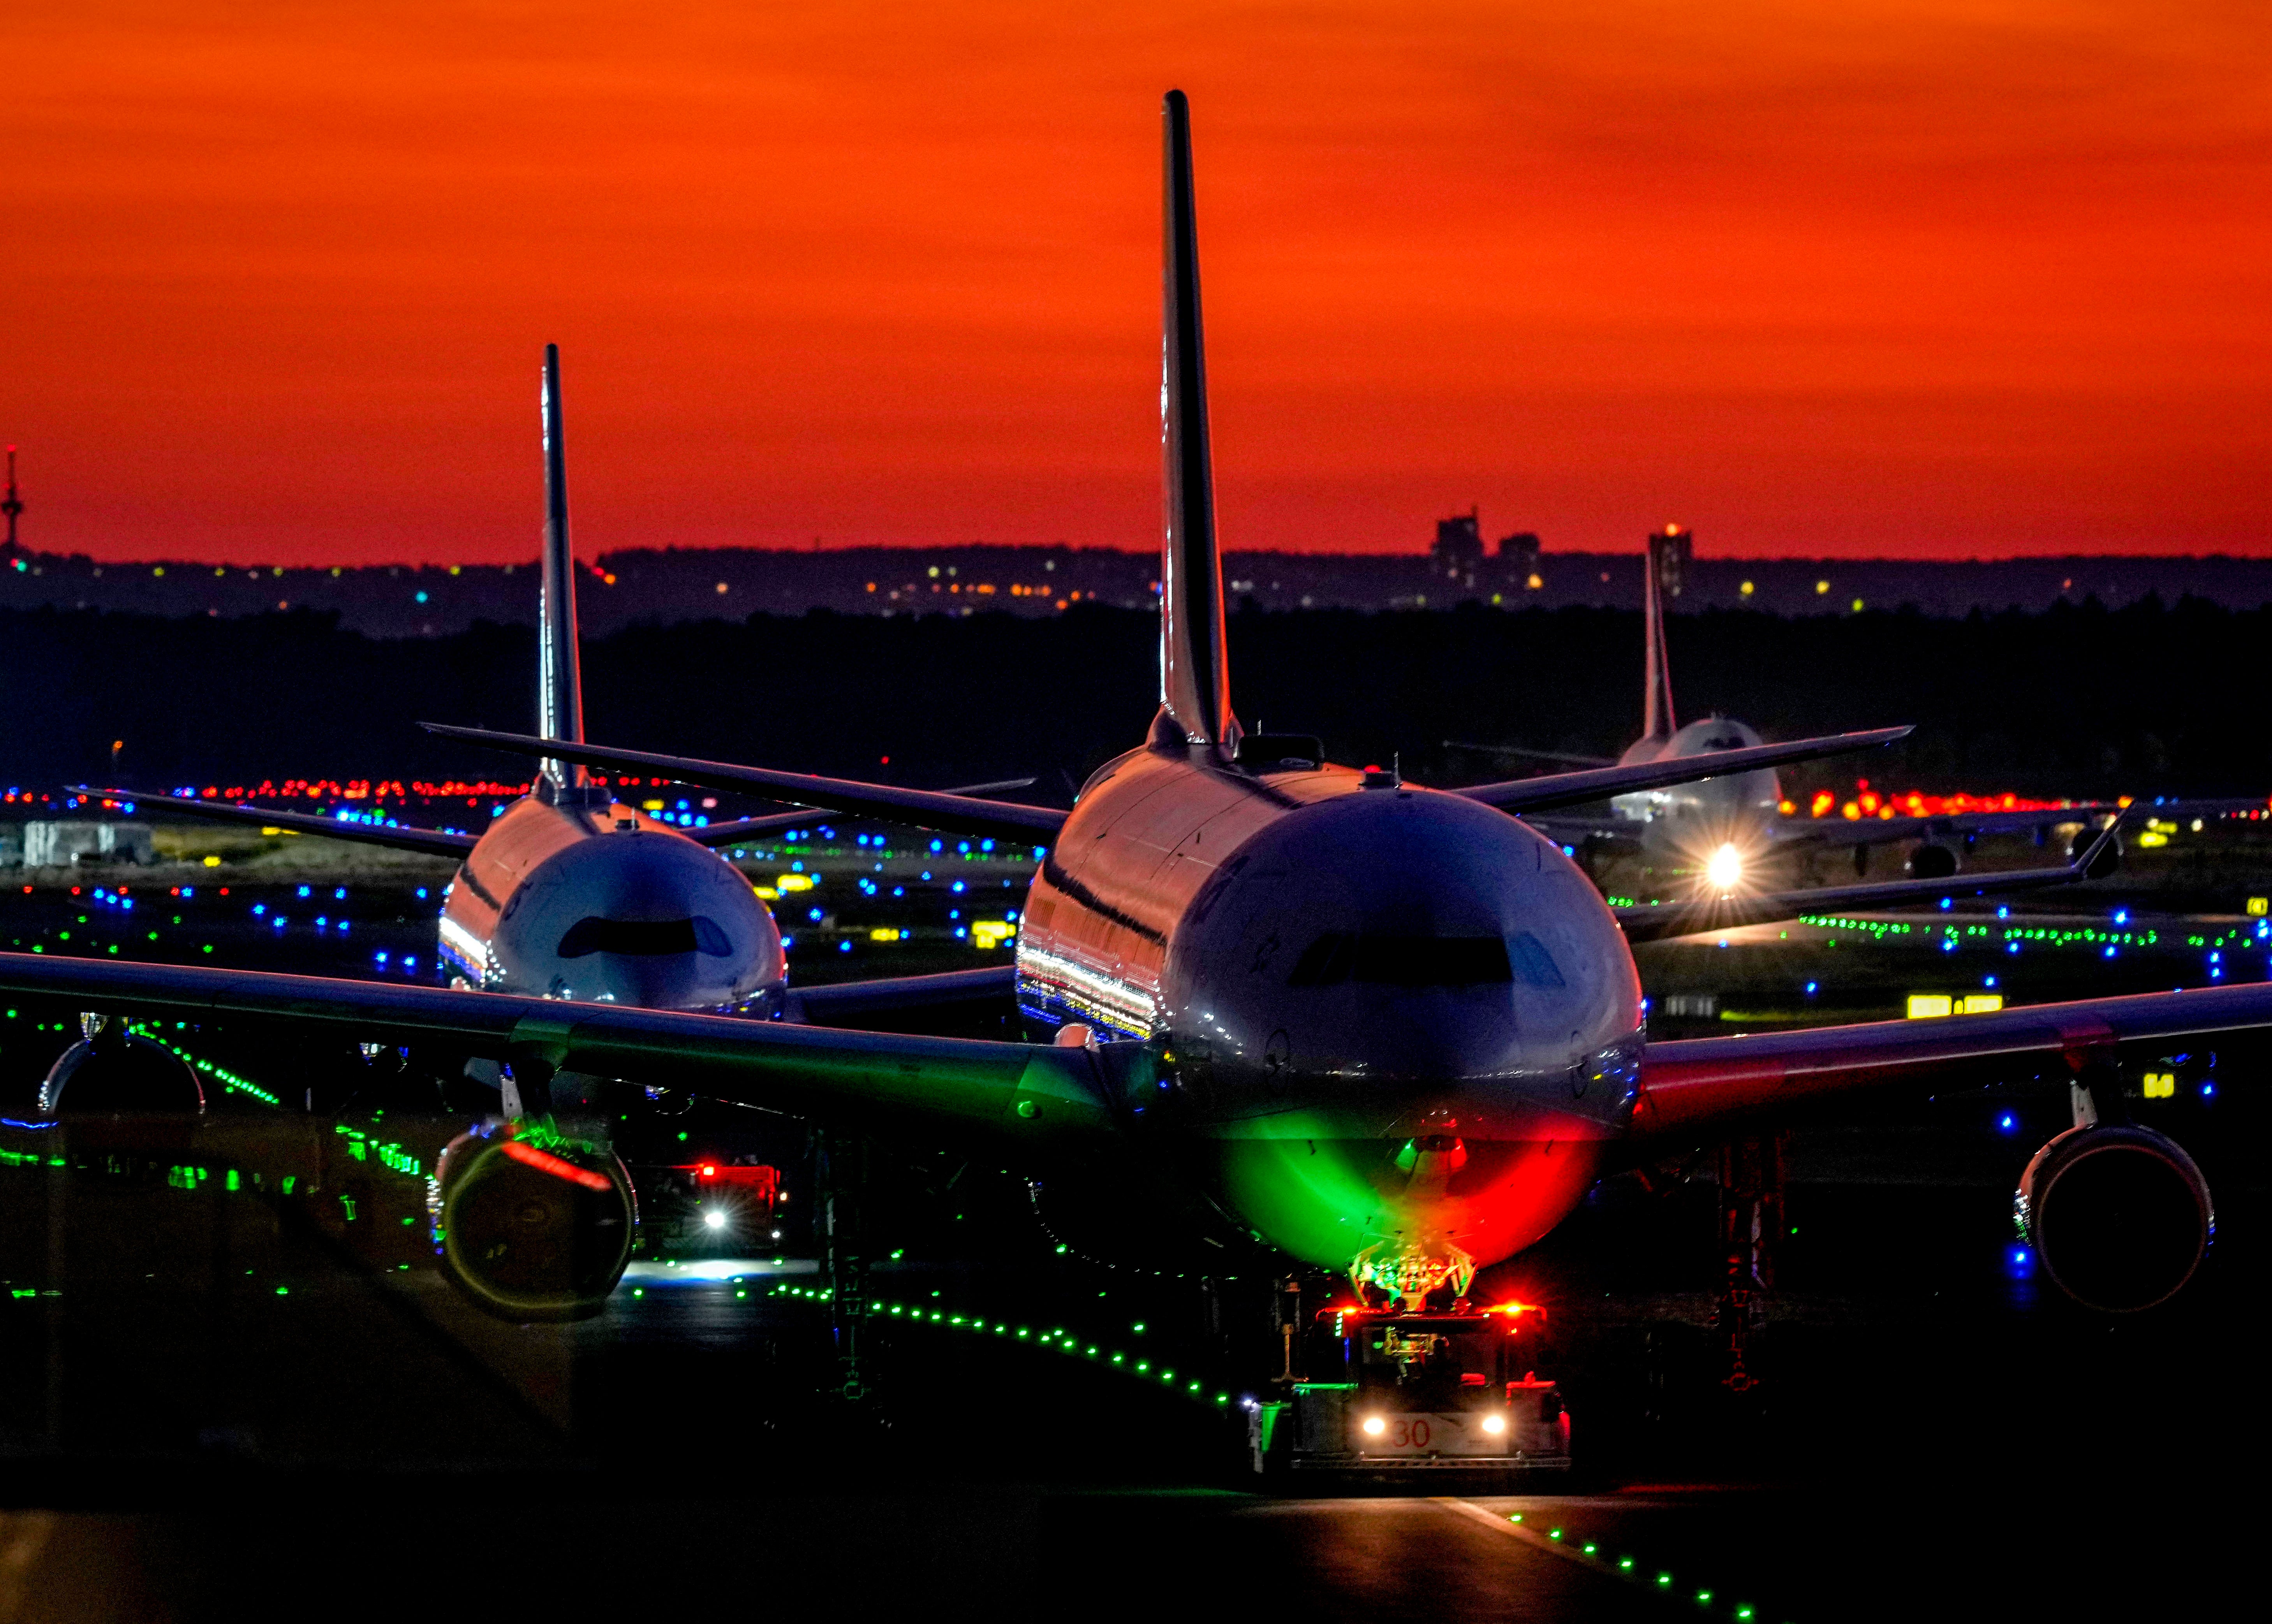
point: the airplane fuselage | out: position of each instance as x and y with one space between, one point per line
1687 822
1400 1025
599 903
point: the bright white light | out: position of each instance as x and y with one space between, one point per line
714 1219
1725 870
1494 1424
1374 1427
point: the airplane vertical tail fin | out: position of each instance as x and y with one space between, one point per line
1657 675
559 690
1194 675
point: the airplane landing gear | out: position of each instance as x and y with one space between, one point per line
840 1161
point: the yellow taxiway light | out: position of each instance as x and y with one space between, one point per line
1927 1006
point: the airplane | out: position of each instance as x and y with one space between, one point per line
1377 1028
1728 825
569 894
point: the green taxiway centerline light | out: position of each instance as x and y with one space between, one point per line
1554 1533
1591 1549
1664 1578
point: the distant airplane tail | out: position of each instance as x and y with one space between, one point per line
1194 675
1657 720
559 689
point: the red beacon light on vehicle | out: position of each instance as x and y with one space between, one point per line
757 1184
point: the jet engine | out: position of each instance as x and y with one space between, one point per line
534 1227
2119 1215
2108 861
1931 860
112 1069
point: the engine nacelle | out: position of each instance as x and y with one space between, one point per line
2108 860
2119 1215
114 1070
534 1230
1931 860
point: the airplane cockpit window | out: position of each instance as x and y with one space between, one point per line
645 938
1402 961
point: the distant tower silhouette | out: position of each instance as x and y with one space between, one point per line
11 506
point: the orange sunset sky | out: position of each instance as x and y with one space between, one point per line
1862 279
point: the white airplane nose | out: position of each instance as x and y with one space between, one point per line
646 919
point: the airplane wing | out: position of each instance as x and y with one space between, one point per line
1551 790
1565 831
931 809
892 997
433 842
739 829
1033 1094
1699 1086
1522 753
1650 921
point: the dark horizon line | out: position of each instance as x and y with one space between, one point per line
1407 555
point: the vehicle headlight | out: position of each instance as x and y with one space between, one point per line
1723 870
716 1218
1374 1427
1494 1424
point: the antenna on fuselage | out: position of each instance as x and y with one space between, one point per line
1667 551
1194 675
559 690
